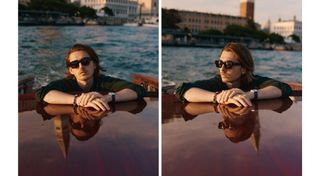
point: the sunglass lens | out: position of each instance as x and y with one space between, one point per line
228 64
218 63
85 61
74 64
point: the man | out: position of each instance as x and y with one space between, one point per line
235 83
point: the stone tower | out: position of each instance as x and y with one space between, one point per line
247 9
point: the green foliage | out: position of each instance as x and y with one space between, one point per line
61 6
211 32
70 8
276 38
295 38
170 18
87 12
47 5
236 30
251 25
23 7
242 31
108 11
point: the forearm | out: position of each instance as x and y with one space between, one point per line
124 95
58 97
198 95
266 93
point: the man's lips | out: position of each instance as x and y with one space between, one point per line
225 76
83 73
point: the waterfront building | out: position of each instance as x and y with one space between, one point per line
247 9
132 9
286 28
149 7
120 8
200 21
266 26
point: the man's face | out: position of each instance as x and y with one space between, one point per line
85 69
233 74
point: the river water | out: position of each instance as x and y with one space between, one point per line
180 64
122 50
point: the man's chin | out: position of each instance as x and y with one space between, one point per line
224 79
84 78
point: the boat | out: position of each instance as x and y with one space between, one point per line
57 139
195 135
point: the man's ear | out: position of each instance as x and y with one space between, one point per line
243 71
70 70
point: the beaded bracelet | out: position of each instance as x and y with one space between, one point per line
215 97
75 98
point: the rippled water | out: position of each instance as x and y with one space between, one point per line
122 50
181 64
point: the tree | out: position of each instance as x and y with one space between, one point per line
211 32
237 30
276 38
245 31
23 7
170 18
108 11
295 38
251 25
87 12
47 5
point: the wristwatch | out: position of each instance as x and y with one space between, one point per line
255 93
113 96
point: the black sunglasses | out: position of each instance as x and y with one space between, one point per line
84 61
227 64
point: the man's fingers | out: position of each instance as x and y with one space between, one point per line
243 101
94 106
234 101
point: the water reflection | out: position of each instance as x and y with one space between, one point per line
238 123
82 123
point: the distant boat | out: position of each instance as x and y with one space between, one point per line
91 22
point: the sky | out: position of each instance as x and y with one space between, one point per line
264 9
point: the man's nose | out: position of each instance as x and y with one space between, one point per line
223 68
81 66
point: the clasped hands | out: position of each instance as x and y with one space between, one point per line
234 96
95 100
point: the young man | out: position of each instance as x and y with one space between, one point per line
83 75
235 83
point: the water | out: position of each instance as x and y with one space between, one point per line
189 64
122 50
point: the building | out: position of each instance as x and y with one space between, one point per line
120 8
287 27
132 9
267 26
247 9
199 21
149 7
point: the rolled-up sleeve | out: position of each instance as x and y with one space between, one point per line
209 85
116 84
285 88
60 85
